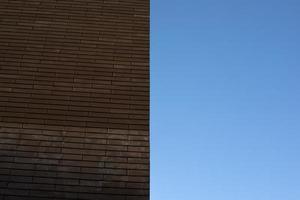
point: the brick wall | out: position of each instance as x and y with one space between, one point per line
74 99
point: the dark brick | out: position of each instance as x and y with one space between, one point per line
74 100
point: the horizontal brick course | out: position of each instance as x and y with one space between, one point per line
74 99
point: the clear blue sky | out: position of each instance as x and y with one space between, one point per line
225 100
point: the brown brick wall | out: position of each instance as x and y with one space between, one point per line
74 99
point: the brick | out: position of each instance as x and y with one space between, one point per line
74 100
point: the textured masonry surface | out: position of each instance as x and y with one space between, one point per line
74 99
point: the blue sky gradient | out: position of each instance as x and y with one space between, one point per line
225 100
